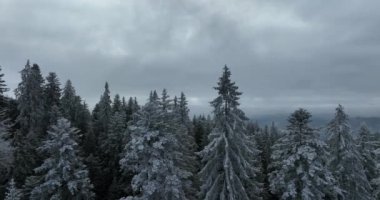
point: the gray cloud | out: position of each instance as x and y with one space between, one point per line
283 54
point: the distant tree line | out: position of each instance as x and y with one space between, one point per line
53 147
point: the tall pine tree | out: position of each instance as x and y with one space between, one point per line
52 95
230 164
30 122
101 118
345 161
181 125
71 104
112 147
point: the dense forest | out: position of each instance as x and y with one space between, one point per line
53 147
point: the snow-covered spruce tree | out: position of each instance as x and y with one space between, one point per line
299 162
13 193
230 159
367 145
178 120
376 182
151 154
345 161
62 174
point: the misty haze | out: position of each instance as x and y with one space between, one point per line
189 100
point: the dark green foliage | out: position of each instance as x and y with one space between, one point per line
3 89
52 95
202 127
29 94
5 167
265 139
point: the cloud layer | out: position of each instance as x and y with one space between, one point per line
283 54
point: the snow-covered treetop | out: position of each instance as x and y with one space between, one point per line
229 95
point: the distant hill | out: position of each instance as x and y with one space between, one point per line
319 121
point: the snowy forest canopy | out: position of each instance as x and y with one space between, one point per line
53 147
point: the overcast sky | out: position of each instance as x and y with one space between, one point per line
282 54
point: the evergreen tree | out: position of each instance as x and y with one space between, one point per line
52 90
5 150
151 154
367 145
131 108
30 122
73 109
198 133
201 129
102 114
113 146
175 102
117 104
299 160
13 193
264 143
31 108
345 160
183 110
230 167
274 133
253 128
376 182
101 118
63 175
84 124
5 161
52 94
70 103
3 89
180 122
